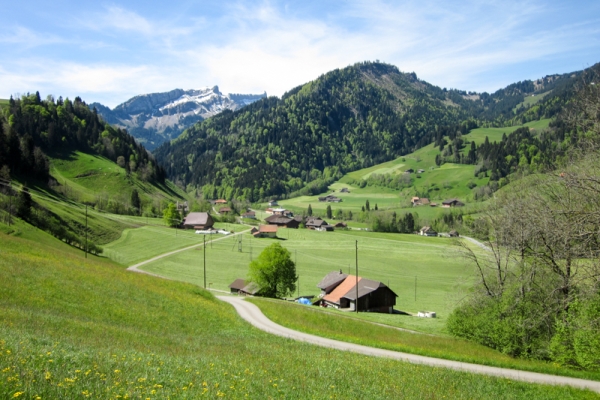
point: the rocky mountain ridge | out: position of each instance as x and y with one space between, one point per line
158 117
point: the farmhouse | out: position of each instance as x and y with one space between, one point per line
452 203
221 201
454 233
330 199
344 190
419 201
420 171
273 203
409 171
372 296
315 222
198 220
282 211
249 215
269 231
282 221
224 210
341 225
331 281
427 231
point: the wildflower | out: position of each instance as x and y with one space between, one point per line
117 371
47 375
18 394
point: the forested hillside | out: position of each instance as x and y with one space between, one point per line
345 120
34 128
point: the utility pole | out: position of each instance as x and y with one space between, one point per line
204 248
86 229
415 288
356 304
9 203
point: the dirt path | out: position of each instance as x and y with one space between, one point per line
135 267
254 316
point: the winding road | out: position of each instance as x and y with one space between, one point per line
254 316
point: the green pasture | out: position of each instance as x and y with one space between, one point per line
357 328
398 260
76 328
439 183
531 100
84 177
495 134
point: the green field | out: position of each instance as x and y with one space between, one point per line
397 260
533 99
76 328
85 178
495 134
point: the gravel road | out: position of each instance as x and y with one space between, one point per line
254 316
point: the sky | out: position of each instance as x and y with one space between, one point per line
108 52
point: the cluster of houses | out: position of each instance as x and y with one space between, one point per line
424 201
340 291
329 199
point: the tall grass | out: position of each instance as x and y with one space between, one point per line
75 328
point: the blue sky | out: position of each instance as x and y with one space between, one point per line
111 51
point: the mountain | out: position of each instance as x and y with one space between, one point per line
345 120
158 117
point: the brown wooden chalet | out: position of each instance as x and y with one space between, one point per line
330 199
452 203
198 220
283 221
373 296
224 210
315 223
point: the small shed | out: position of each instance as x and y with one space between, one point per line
237 285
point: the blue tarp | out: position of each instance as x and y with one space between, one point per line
304 300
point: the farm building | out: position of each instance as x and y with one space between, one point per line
224 210
341 225
251 289
427 231
325 228
331 281
419 201
237 285
282 211
454 233
330 199
452 203
282 221
198 220
249 215
345 190
420 171
221 201
315 222
273 203
269 231
370 295
409 171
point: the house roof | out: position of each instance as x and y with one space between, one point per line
315 222
331 279
424 200
196 218
225 209
342 289
221 201
365 286
278 219
251 288
238 284
268 229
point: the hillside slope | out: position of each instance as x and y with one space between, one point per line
75 328
345 120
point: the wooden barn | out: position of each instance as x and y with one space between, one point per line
198 220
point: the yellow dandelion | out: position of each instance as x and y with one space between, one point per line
47 375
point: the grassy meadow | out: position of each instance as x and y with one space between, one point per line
75 328
86 177
398 260
351 327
